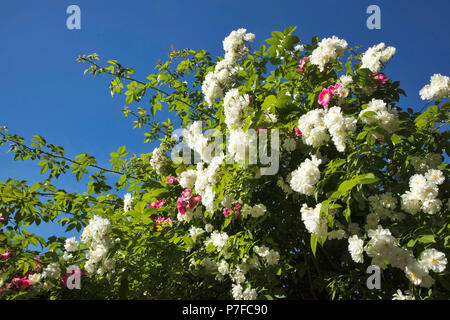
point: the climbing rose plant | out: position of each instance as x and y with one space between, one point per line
359 181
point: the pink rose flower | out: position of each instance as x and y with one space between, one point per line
298 133
5 256
159 203
302 63
19 283
324 97
171 179
336 89
380 78
227 212
186 194
193 201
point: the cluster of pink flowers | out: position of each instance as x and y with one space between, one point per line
1 217
380 78
157 204
302 63
162 220
68 274
327 93
234 213
171 180
19 283
186 201
5 256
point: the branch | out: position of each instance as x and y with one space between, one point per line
132 79
63 157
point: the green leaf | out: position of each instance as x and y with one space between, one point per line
268 102
411 243
396 139
289 30
278 35
429 238
314 240
422 120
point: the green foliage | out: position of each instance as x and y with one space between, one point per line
164 260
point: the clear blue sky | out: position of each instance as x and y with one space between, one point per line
43 90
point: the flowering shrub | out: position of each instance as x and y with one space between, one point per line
361 181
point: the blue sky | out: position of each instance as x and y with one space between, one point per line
43 90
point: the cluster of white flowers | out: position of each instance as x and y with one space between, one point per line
159 160
434 260
228 200
96 234
206 178
240 294
314 222
235 48
127 199
195 232
387 115
203 180
187 178
423 193
346 80
383 247
209 227
218 239
52 271
197 141
381 207
375 57
283 185
438 88
223 267
256 211
306 176
339 126
269 255
71 244
316 124
289 144
353 228
237 274
269 116
235 44
238 145
336 234
234 105
328 50
400 296
356 248
35 279
424 163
